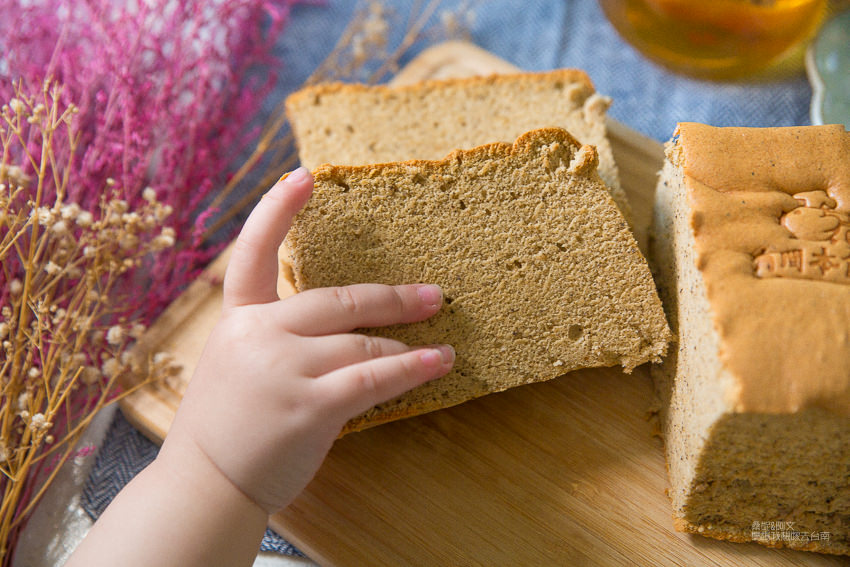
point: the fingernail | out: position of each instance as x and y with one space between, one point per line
430 295
297 176
438 355
447 353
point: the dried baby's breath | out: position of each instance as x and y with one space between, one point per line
65 339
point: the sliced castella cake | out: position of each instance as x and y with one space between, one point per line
540 272
351 124
752 251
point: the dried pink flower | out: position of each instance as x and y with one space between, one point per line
167 91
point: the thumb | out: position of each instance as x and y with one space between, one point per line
251 275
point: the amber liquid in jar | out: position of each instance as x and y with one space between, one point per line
718 39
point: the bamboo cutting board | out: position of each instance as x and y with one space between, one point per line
565 472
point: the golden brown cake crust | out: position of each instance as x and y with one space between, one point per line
540 271
772 229
569 76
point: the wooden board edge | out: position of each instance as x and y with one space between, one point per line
145 411
428 63
634 140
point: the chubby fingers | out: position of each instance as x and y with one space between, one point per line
330 310
353 389
335 351
251 275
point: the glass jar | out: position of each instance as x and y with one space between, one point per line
719 39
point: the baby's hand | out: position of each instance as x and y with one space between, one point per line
278 379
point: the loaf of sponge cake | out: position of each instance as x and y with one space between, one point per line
540 272
751 247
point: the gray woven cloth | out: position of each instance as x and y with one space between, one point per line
533 35
123 455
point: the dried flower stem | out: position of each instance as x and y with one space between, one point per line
390 64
